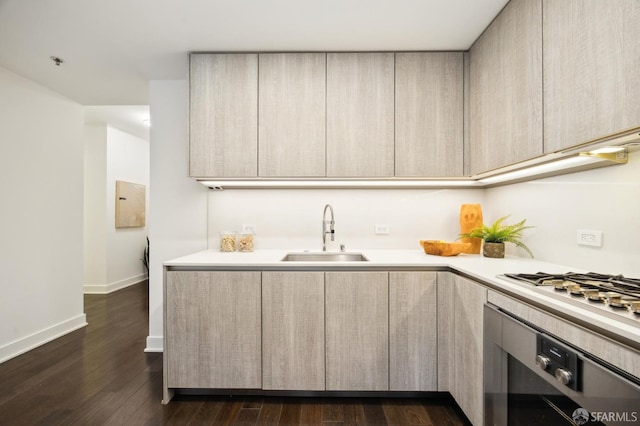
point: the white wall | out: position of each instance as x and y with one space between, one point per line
292 219
41 220
606 199
112 256
127 160
178 208
95 205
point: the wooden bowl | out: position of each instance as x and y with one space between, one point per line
443 248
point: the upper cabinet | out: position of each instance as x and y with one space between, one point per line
429 114
223 122
505 88
305 115
360 114
591 70
405 114
291 130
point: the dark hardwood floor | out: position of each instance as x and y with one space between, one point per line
101 376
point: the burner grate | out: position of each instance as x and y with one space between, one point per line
629 287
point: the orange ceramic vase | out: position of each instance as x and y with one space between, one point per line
470 218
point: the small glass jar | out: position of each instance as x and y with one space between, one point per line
245 242
228 241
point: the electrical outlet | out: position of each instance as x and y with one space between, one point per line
382 229
589 237
249 228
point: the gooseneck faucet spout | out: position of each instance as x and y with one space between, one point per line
330 230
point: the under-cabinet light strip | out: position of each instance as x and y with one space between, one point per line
573 163
339 183
566 163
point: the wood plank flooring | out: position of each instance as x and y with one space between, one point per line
101 376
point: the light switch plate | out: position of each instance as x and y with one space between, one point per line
589 237
249 228
382 229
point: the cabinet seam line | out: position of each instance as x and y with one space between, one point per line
257 115
394 112
544 148
324 278
326 79
437 282
261 330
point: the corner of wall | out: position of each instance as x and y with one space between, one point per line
114 286
178 209
32 341
155 344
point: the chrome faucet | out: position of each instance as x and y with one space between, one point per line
325 222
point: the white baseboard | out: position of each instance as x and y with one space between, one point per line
154 344
25 344
110 288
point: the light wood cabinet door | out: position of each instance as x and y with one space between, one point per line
591 70
360 115
213 330
429 114
413 346
223 115
293 331
468 390
460 342
357 331
505 89
292 108
446 332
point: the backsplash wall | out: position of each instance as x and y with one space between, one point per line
292 219
606 199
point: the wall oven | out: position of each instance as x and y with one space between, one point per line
533 378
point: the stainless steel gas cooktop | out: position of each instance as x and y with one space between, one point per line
615 295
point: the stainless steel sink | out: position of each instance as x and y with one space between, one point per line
324 257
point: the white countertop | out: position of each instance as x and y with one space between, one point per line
377 259
480 268
473 265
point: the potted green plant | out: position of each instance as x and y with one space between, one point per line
497 234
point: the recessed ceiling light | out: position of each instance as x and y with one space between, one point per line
56 60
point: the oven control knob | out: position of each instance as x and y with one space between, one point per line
543 362
565 377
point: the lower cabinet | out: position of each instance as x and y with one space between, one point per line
334 331
413 335
380 335
293 330
213 330
460 344
357 331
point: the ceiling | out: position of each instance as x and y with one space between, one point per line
133 119
112 49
